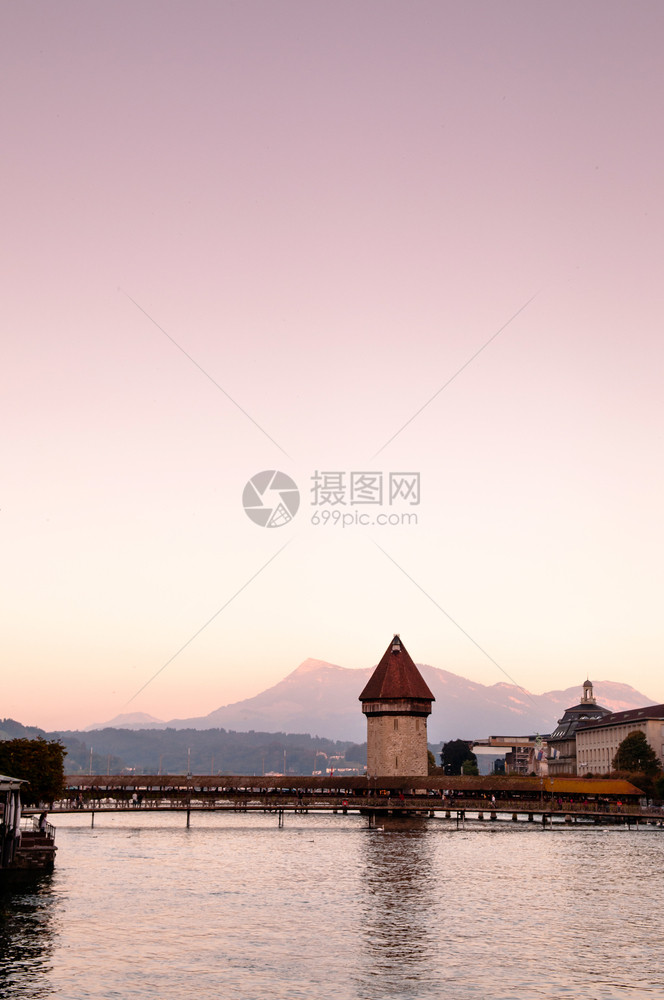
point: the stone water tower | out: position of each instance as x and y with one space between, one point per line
396 702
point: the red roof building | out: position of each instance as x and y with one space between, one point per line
396 702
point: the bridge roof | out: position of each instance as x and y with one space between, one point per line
396 678
165 783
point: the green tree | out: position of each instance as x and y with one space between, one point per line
470 767
454 753
39 762
432 762
635 754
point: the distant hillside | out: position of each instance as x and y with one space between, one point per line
322 699
12 730
208 751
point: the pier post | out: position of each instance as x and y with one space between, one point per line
92 823
188 818
281 819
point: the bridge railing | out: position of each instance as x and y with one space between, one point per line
273 800
31 824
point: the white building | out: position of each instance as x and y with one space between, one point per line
597 741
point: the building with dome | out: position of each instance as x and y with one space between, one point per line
562 742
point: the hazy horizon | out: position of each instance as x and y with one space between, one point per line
439 707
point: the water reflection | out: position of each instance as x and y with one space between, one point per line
26 940
398 939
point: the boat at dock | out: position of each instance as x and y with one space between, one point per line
27 841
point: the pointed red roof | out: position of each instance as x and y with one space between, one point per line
396 677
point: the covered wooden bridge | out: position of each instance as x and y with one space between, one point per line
430 795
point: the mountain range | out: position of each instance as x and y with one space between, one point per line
321 699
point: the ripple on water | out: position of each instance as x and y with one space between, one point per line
237 908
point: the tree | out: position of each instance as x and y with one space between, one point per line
40 762
636 754
356 753
454 753
470 766
432 762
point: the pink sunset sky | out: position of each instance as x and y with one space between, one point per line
330 208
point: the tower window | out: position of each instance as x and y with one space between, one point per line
396 724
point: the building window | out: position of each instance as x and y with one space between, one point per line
396 724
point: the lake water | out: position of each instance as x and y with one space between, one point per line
236 909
